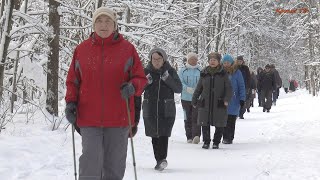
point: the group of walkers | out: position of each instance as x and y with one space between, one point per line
211 97
106 80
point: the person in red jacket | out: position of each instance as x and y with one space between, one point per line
105 72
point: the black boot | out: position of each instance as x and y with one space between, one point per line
226 141
215 146
206 146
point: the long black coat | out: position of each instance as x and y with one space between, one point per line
210 94
246 75
267 81
158 106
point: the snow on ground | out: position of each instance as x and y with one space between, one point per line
281 145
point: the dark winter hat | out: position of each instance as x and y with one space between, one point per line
268 66
214 55
227 58
240 58
160 51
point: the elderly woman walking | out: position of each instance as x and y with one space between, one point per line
159 110
189 76
104 74
212 96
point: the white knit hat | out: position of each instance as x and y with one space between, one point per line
105 11
192 54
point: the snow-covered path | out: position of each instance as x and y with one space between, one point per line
283 144
280 145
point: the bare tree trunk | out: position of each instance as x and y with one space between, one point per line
219 27
127 18
98 4
2 7
310 39
312 84
17 5
5 40
197 44
306 76
53 59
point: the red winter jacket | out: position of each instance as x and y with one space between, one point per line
98 69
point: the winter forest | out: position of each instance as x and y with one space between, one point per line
38 38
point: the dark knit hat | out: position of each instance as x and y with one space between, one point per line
214 55
240 58
268 66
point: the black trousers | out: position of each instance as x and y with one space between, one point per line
160 147
247 103
216 137
259 98
266 96
190 123
228 133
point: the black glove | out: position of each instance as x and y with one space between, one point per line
134 130
241 103
71 112
127 90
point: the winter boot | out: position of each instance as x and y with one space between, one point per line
264 109
226 141
161 165
189 141
215 146
268 110
206 146
196 140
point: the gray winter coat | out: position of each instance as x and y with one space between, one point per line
210 94
158 106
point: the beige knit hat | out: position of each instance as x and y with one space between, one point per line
105 11
192 55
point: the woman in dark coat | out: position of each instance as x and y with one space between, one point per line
212 94
158 106
259 74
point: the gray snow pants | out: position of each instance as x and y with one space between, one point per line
190 122
104 153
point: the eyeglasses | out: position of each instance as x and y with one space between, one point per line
158 59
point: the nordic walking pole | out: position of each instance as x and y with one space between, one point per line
131 139
74 154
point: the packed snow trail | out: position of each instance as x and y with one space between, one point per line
283 144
